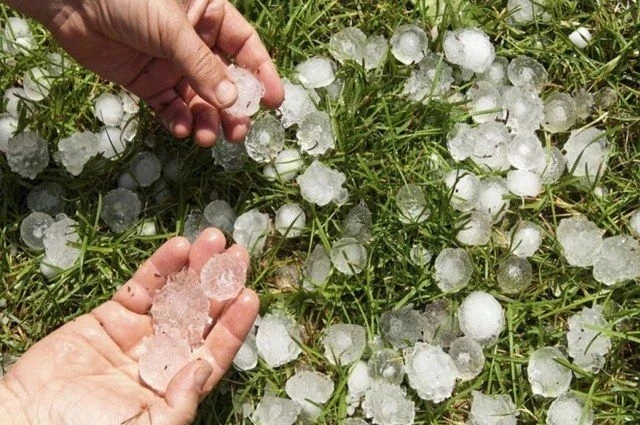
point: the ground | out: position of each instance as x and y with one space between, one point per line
382 142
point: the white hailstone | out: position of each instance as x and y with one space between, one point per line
18 38
492 409
290 220
108 109
453 269
524 109
547 376
265 139
297 104
316 72
287 164
460 144
524 183
317 268
526 238
348 44
634 223
148 228
412 204
32 229
580 239
524 11
387 404
348 256
491 197
59 253
277 339
311 390
496 74
580 37
514 275
559 113
315 133
569 409
525 151
344 343
358 222
485 104
358 383
76 150
375 52
586 342
481 317
111 142
431 78
618 260
47 197
553 166
276 411
470 48
409 44
36 83
468 357
251 230
8 128
250 91
430 371
475 229
130 102
586 152
13 99
490 140
321 185
247 356
524 71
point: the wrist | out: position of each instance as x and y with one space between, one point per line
11 407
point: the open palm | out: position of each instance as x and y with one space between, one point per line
86 372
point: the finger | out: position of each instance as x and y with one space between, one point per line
235 128
210 242
176 115
137 294
186 390
156 77
206 122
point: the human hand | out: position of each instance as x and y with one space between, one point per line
171 53
86 372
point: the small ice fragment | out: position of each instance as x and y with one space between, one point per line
220 215
348 44
251 230
290 220
430 371
580 37
618 260
348 256
481 317
409 44
108 108
524 183
317 268
553 166
419 255
320 184
470 48
358 222
526 238
453 269
130 102
32 229
277 339
492 409
344 343
265 139
165 355
634 223
524 109
316 72
47 197
148 228
402 327
586 152
475 229
145 168
311 390
491 197
36 83
569 409
524 71
468 357
247 356
387 364
514 275
587 344
27 154
315 133
375 52
111 142
76 150
250 91
580 239
276 411
547 376
412 204
524 11
223 276
388 404
297 104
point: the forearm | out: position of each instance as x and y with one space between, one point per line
11 408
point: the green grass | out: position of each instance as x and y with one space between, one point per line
383 141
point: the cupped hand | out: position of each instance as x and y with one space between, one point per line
86 372
171 53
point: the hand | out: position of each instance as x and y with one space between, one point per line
86 372
171 53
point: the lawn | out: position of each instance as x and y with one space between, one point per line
382 142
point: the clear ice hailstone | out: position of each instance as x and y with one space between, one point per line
194 224
586 152
276 411
181 307
412 204
223 276
475 229
36 83
165 355
315 133
547 376
485 104
587 344
27 154
32 229
559 113
277 338
460 141
524 108
441 324
523 11
419 255
58 251
375 52
431 78
108 109
220 215
618 260
297 104
496 74
265 139
310 389
76 150
430 371
230 156
251 230
402 327
489 141
145 168
524 183
358 222
470 48
525 151
348 256
481 317
583 103
514 275
317 268
409 44
524 71
320 184
348 44
526 238
580 37
387 364
453 269
8 128
130 102
247 356
468 357
553 166
120 209
47 197
388 404
344 343
580 239
18 37
492 410
634 223
250 91
316 72
569 409
287 164
491 197
290 220
111 142
13 99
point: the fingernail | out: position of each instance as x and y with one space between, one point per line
226 93
201 376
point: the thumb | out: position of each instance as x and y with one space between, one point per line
185 390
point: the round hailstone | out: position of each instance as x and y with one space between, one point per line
569 409
275 410
514 275
36 83
485 104
401 327
419 255
475 229
412 204
453 269
47 197
251 230
320 184
223 277
358 222
409 44
387 364
634 223
460 142
431 79
481 317
441 325
8 128
14 101
316 72
27 154
33 227
491 197
525 151
265 139
290 220
618 260
348 256
111 142
580 37
220 215
430 371
490 141
496 74
375 52
108 109
523 11
76 150
580 239
348 44
546 375
526 238
165 355
470 48
277 339
524 71
388 404
310 389
553 166
250 91
287 164
468 357
492 409
145 168
586 152
524 108
524 183
559 113
315 133
586 342
344 343
120 209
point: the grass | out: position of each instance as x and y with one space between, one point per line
383 141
